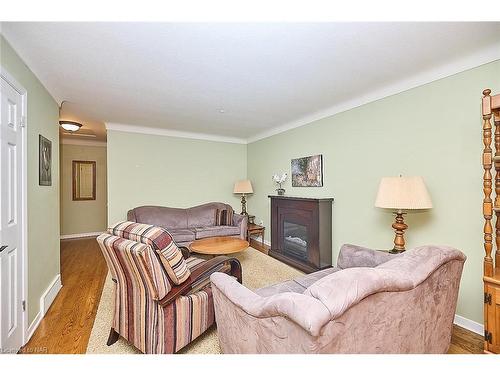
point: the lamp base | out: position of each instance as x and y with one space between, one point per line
243 205
399 228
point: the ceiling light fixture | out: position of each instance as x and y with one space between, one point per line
70 126
222 110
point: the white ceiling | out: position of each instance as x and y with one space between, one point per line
265 77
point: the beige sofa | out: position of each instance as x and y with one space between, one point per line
373 302
189 224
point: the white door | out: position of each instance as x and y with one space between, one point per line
11 255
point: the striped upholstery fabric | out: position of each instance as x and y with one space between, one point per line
133 263
194 263
185 319
161 241
141 281
224 217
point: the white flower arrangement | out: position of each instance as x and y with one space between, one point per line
279 179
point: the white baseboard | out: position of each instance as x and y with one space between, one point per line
50 294
45 302
80 235
469 324
33 326
259 238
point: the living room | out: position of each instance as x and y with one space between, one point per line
250 187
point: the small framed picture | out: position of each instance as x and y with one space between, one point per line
44 161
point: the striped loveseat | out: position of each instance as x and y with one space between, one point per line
163 297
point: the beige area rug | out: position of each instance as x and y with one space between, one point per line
259 270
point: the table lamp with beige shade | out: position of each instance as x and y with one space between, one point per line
401 194
243 187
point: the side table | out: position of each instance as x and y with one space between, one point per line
255 229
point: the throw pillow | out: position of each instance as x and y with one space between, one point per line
224 217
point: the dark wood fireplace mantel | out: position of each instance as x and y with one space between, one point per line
301 231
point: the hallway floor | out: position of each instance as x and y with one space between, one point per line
67 325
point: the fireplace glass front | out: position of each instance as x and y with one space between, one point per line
295 240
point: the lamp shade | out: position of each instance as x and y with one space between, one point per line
243 187
403 193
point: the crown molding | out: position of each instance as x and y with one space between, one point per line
172 133
82 142
484 56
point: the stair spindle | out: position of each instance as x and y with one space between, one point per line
487 184
497 186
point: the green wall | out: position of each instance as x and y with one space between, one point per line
168 171
43 201
434 131
75 214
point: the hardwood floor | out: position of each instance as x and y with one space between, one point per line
257 245
67 325
465 342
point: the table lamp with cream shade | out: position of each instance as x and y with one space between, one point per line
401 194
243 187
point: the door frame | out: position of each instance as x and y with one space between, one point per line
4 74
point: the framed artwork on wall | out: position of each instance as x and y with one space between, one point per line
307 171
84 180
44 161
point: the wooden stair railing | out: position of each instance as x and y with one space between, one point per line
491 267
491 108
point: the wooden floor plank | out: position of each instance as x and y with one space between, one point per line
67 325
465 342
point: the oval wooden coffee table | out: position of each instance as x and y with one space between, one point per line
218 245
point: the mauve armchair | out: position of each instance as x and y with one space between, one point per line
373 302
